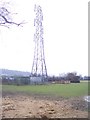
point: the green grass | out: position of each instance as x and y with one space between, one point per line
64 90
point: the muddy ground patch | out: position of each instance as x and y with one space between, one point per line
41 106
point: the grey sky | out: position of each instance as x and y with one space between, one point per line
65 36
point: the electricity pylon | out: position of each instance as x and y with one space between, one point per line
39 65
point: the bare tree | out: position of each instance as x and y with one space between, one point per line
6 16
73 77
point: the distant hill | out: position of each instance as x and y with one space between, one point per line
13 72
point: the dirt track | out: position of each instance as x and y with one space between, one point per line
26 106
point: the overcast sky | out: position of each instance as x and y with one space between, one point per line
65 36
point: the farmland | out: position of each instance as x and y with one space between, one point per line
64 90
51 100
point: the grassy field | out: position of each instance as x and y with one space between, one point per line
64 90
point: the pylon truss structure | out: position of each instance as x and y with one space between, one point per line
39 65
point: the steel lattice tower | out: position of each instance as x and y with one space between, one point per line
39 65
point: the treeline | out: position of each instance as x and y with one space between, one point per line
69 77
16 80
25 80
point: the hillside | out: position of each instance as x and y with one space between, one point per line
13 72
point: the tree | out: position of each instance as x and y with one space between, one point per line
6 16
73 77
